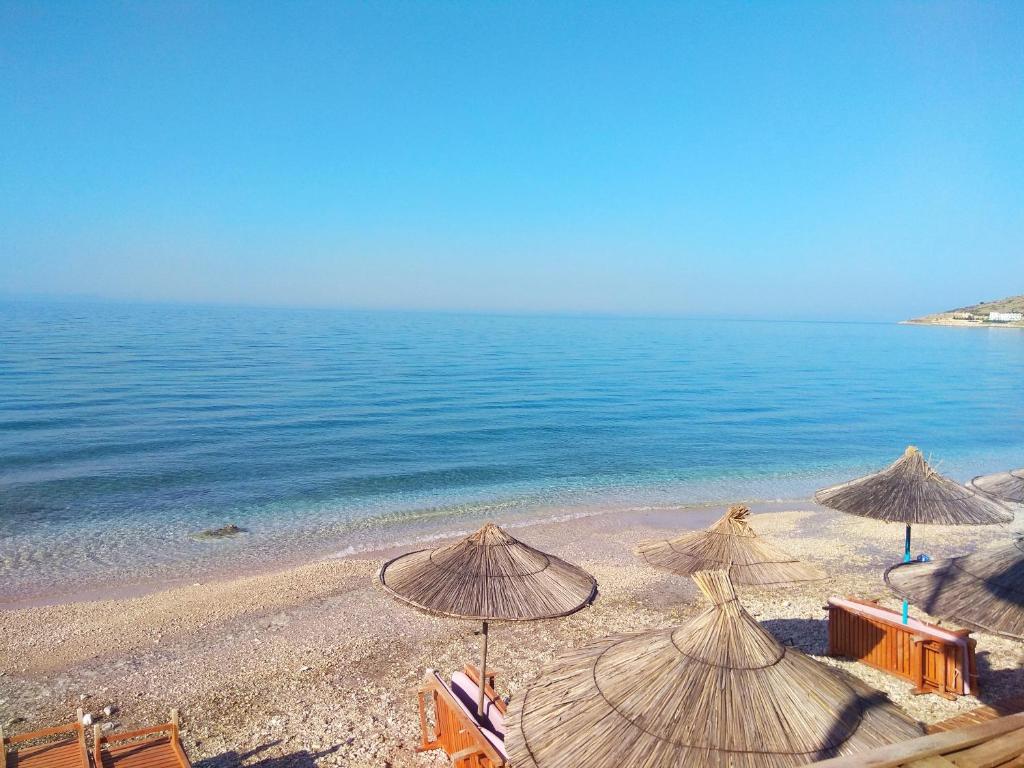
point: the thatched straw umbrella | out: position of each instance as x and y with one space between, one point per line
984 590
719 691
1004 486
488 576
909 492
730 545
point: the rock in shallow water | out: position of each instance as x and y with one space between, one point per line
224 532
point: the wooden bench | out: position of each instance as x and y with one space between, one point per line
59 747
158 746
456 729
935 659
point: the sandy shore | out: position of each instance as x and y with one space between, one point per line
315 665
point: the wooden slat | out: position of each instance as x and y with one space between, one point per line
944 743
44 733
992 753
116 737
935 761
981 714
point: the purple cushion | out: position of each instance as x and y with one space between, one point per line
468 693
458 699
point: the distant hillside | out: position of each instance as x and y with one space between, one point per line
1012 304
976 314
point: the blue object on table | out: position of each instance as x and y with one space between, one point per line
923 558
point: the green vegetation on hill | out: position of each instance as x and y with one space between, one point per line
1012 304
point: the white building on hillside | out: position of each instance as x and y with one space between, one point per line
1005 317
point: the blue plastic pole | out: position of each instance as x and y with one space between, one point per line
906 559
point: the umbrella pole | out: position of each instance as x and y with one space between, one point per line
483 674
906 559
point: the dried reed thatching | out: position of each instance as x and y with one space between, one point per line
1004 486
719 691
731 545
984 590
489 576
912 492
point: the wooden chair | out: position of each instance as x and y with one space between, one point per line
60 747
456 729
158 746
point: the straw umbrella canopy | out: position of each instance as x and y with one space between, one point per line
488 576
984 590
910 491
730 545
1004 486
719 691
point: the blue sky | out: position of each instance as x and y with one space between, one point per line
776 159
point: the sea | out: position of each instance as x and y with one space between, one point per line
127 430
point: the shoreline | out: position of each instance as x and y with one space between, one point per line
408 537
315 665
962 324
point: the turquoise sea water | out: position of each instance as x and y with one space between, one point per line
126 429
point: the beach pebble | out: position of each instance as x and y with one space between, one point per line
108 726
87 718
370 655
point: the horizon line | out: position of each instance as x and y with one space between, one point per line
496 312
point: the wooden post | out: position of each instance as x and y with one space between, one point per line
906 559
3 748
81 736
832 619
174 722
483 674
97 751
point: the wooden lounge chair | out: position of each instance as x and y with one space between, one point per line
468 740
935 659
60 747
158 746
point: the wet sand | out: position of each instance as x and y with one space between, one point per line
315 665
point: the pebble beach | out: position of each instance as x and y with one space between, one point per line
315 665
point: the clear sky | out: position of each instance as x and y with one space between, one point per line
772 159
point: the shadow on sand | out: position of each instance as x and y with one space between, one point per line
998 686
232 759
807 635
1002 689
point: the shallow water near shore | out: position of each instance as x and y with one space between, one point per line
126 430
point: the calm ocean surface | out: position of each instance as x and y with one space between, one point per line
124 430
